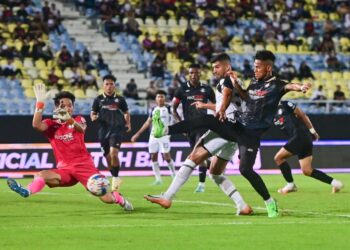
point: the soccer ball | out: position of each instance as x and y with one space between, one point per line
98 185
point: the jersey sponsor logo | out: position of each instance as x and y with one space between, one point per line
65 137
111 107
258 94
195 97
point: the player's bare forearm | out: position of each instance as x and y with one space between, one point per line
175 105
79 127
297 87
37 121
209 105
144 127
127 121
93 116
302 116
226 97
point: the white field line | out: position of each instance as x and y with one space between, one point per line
167 225
220 204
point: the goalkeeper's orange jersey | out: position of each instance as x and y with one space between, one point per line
67 143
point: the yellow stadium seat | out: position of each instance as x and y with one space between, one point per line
271 47
248 48
29 92
259 47
33 73
337 76
27 83
40 64
293 49
58 73
44 74
237 48
38 81
334 16
28 62
281 48
346 75
79 93
18 64
11 27
326 75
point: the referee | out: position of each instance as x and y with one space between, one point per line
111 112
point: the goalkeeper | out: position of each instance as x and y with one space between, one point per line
66 135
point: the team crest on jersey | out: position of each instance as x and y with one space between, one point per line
279 111
187 90
290 104
202 90
116 100
267 85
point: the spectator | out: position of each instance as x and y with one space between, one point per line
170 45
64 58
100 63
89 80
132 26
77 59
333 64
339 94
147 42
181 76
53 79
76 78
305 71
131 90
309 28
113 25
288 70
157 44
151 91
318 94
157 68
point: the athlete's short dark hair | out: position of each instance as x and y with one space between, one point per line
220 58
160 92
194 66
61 95
109 77
265 55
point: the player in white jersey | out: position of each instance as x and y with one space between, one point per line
211 144
155 145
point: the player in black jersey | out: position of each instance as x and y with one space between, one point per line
259 105
189 93
300 131
111 112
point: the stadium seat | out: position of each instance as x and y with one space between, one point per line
79 93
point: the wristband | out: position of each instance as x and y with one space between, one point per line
71 121
40 105
312 131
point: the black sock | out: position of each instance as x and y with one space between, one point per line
257 183
114 171
202 173
319 175
286 171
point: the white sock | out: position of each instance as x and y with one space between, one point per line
269 200
290 185
201 184
171 167
156 170
229 189
180 179
336 183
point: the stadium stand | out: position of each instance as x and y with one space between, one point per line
138 39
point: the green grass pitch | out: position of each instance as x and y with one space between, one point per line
71 218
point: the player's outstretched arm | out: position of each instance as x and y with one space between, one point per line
298 87
202 105
302 116
40 94
145 126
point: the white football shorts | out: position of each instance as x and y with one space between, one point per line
161 144
218 146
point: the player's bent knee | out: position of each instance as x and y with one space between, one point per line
307 171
